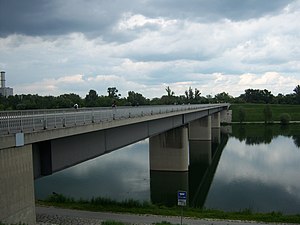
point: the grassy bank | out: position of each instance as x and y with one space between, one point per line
255 112
135 207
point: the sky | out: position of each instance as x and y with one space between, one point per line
72 46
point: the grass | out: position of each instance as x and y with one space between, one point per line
135 207
255 112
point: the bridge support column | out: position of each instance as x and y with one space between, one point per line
215 128
226 116
17 204
215 120
169 150
200 129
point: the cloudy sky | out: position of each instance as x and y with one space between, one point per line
71 46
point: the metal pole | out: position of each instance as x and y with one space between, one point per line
181 215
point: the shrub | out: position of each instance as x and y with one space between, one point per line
285 118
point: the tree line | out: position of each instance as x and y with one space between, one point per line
190 96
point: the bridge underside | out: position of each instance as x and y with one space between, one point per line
54 155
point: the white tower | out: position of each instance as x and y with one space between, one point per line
2 79
4 91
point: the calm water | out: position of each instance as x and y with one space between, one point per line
255 167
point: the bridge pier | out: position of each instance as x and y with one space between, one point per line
17 203
216 120
200 129
169 150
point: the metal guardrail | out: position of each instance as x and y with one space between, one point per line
28 121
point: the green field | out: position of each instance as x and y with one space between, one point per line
255 112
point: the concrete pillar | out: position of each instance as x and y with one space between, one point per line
200 129
17 204
215 120
226 116
169 150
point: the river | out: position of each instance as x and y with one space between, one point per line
254 167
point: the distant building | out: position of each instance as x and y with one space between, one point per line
5 91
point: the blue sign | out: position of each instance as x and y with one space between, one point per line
181 197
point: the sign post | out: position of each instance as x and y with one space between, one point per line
181 201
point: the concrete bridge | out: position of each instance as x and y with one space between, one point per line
38 143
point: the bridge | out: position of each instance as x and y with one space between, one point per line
37 143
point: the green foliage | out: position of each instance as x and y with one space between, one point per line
91 99
190 96
223 97
163 223
113 93
59 198
297 93
132 206
255 112
136 99
285 118
257 96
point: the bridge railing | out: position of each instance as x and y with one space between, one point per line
36 120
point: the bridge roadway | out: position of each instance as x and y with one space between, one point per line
36 123
37 143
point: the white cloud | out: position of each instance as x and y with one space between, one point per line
257 162
224 55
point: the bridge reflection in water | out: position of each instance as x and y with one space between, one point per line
204 156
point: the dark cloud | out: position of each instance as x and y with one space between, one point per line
211 10
42 17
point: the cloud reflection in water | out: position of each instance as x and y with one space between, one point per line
258 177
118 175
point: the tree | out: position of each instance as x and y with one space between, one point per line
169 92
197 95
297 93
223 97
136 99
285 118
193 97
113 92
91 99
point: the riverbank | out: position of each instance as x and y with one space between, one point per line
255 112
145 208
60 216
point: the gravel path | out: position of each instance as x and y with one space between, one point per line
58 216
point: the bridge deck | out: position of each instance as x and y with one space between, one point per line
28 121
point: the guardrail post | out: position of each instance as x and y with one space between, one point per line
64 119
55 119
45 121
33 125
21 121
